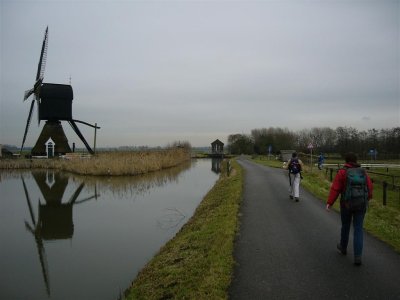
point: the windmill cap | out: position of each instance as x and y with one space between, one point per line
56 91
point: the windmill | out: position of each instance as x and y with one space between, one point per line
54 104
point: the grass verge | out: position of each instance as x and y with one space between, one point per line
382 221
198 262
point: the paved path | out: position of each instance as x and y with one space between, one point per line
287 250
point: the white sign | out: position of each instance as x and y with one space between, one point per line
310 146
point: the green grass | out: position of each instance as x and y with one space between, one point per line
382 221
198 262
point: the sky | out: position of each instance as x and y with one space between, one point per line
154 72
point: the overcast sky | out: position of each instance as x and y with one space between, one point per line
153 72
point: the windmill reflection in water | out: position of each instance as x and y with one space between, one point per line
55 219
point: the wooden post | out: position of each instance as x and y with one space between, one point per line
95 134
384 184
331 176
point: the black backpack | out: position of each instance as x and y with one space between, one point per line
294 166
355 196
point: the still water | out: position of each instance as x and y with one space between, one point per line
65 236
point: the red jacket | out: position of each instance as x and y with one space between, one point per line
339 184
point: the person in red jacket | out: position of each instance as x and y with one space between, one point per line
347 215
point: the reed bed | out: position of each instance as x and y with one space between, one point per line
107 163
133 186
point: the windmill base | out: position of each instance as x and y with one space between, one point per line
54 131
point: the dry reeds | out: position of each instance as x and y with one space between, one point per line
108 163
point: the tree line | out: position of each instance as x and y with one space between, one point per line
384 143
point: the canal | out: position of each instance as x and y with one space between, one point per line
65 236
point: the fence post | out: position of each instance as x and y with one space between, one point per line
384 185
331 175
228 168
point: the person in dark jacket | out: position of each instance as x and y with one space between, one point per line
347 215
321 160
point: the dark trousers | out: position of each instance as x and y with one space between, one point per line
347 217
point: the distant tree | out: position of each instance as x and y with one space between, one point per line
373 139
240 144
284 138
389 143
302 140
324 139
393 141
329 140
277 138
343 140
261 140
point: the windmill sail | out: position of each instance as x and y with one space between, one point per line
28 93
38 82
41 67
43 57
35 230
28 122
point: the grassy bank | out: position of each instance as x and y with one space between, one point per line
198 262
381 221
107 163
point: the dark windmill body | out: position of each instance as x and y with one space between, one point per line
55 106
54 102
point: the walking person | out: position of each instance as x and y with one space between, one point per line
295 166
355 188
321 160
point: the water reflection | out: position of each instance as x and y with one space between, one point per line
172 218
133 186
55 216
65 241
216 165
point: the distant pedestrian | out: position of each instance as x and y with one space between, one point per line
355 188
295 166
321 160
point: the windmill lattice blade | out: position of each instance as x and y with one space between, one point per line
27 94
43 56
37 101
28 200
43 262
28 122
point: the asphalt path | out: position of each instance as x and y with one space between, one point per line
287 249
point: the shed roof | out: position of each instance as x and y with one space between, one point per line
217 141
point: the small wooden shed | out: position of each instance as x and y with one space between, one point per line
217 147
